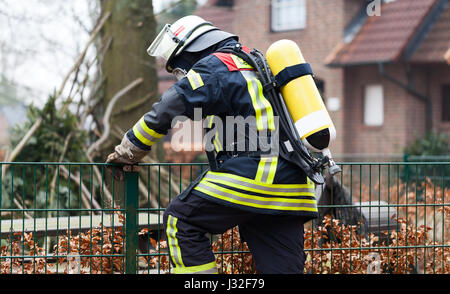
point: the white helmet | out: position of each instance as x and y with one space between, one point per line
180 36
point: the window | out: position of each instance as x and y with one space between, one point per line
446 103
225 3
288 15
373 105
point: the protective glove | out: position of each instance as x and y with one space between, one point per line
126 153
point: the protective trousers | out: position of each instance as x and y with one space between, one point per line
275 241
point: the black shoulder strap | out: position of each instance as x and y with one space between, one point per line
300 155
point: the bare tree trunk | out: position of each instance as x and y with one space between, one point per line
132 26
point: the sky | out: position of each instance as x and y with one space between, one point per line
40 40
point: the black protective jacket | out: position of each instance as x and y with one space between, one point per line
221 86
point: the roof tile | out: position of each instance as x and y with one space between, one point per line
384 37
436 45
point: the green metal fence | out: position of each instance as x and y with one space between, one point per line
75 218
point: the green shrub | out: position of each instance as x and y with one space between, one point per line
431 144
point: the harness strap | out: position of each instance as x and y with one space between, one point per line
292 72
232 61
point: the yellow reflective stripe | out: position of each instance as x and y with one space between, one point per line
217 143
263 108
144 134
268 106
272 170
260 171
310 183
256 106
240 63
266 169
303 191
150 131
173 241
141 137
232 177
209 268
210 120
195 79
255 201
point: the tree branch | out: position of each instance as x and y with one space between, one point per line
83 53
39 121
106 117
85 191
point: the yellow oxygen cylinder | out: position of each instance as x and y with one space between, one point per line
302 99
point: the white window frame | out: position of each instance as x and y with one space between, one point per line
373 105
287 15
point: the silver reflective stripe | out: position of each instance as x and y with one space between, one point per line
263 189
210 120
266 169
217 142
144 133
195 82
254 93
195 79
262 118
209 268
173 241
252 201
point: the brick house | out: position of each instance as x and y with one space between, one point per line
384 78
396 75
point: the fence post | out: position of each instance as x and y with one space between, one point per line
406 169
131 225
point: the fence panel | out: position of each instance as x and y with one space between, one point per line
60 218
386 217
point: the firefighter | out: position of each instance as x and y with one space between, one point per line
266 196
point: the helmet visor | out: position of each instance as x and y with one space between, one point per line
164 44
